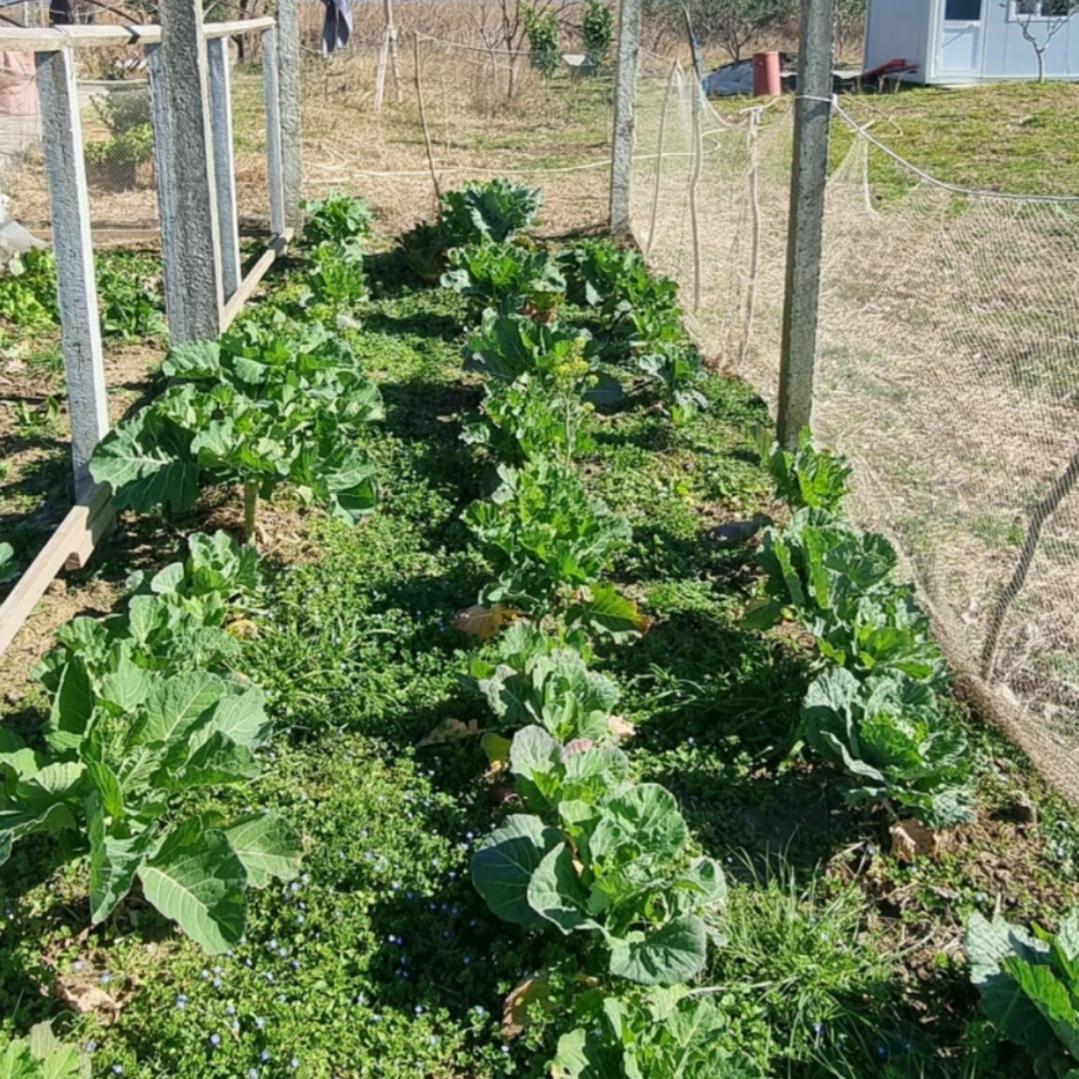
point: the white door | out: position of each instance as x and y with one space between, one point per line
960 50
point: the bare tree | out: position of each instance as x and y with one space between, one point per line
501 25
1040 21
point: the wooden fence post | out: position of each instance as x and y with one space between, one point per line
625 90
288 70
275 166
183 156
69 203
217 52
809 177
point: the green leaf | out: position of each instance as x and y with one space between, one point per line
144 467
126 686
175 705
504 863
674 953
72 708
108 788
555 891
217 760
198 883
643 821
16 1062
607 611
267 846
534 753
114 861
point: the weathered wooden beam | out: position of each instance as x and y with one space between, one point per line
70 545
217 56
51 39
69 203
183 154
277 247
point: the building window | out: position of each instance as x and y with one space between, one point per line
1042 9
963 10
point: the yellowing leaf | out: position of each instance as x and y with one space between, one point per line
450 730
515 1017
483 622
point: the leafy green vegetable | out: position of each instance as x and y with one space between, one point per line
131 728
889 734
611 862
539 681
9 568
506 277
1029 986
264 406
660 1033
130 297
808 477
337 219
42 1056
491 211
536 404
543 534
838 581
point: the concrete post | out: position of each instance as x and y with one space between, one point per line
809 176
69 203
288 71
625 90
275 168
186 189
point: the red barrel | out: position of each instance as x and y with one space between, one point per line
766 74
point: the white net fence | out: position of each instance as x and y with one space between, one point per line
947 370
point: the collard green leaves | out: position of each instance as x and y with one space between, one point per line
132 728
1029 986
271 403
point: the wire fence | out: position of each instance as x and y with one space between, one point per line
947 370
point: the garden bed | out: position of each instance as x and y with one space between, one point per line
842 956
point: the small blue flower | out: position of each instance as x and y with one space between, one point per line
264 1056
117 1069
105 978
215 1039
259 1022
294 1063
181 1001
252 1073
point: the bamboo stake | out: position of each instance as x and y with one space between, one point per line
755 236
423 119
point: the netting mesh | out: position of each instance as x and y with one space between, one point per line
947 370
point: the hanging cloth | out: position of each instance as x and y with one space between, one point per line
336 26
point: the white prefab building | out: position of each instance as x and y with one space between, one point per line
966 41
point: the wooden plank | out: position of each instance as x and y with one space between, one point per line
183 155
288 71
217 56
625 93
236 27
257 272
69 203
73 540
274 160
50 39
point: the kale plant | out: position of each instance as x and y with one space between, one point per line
1029 986
889 734
492 211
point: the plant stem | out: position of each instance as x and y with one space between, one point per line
251 501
